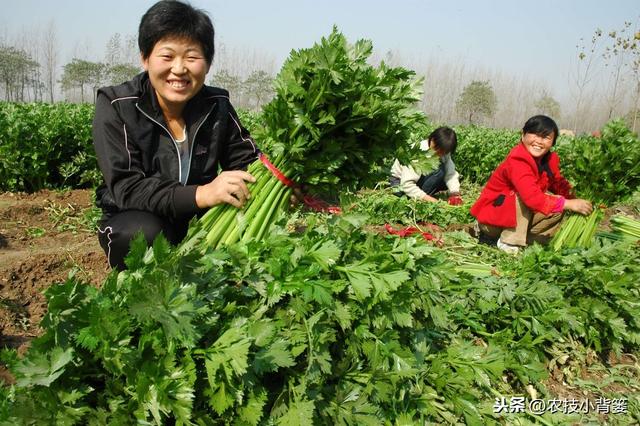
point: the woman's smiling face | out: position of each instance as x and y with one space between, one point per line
537 145
177 68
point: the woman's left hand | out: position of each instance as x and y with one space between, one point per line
579 205
455 199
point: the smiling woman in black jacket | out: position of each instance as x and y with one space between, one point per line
168 146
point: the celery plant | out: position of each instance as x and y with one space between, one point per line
335 120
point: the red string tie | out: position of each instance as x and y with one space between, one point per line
277 173
309 201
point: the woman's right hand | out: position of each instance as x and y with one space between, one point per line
429 199
579 205
228 187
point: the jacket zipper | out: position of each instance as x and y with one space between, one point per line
194 141
175 145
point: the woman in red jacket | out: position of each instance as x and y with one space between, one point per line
525 197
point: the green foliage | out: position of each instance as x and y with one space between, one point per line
46 146
626 227
227 81
71 219
330 326
480 151
382 206
634 202
605 168
477 100
548 106
120 73
599 290
339 120
335 124
80 73
251 120
16 70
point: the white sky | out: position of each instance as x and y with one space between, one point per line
533 39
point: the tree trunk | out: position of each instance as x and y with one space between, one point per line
635 108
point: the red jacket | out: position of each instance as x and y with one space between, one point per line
519 174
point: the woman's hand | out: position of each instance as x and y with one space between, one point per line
428 198
455 199
579 205
228 187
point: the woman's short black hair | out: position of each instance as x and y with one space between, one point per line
541 125
445 139
172 18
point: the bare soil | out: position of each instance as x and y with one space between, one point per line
43 237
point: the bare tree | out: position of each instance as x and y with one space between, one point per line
516 94
113 55
242 62
444 80
584 73
259 86
82 49
130 51
50 52
615 56
624 54
31 86
116 68
230 82
636 95
635 69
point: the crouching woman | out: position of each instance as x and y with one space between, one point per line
525 197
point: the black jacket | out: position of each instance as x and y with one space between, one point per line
139 159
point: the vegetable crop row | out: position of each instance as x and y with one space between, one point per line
331 326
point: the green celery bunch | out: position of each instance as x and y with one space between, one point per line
577 231
335 120
626 226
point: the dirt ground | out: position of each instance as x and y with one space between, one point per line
43 236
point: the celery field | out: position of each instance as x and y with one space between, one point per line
285 315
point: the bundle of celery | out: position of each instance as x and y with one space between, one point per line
626 227
336 121
224 224
577 231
